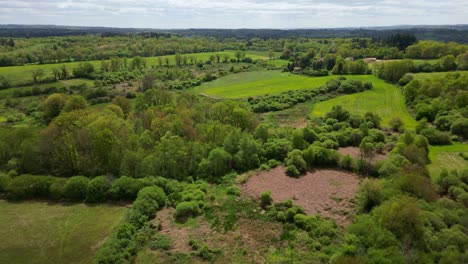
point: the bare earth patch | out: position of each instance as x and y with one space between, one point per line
325 192
355 153
251 236
179 236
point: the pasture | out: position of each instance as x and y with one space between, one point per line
40 232
447 157
259 83
18 75
384 99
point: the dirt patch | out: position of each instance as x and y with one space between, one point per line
355 153
252 237
325 192
179 236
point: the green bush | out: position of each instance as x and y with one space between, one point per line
152 193
185 210
125 188
295 164
265 199
233 191
4 181
29 187
76 188
160 241
56 189
97 189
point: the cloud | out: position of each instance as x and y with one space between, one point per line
232 13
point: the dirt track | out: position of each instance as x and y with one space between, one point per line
325 192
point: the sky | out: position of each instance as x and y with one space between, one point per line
171 14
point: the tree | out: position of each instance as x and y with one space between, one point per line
123 103
75 102
53 105
37 74
460 127
339 113
218 163
396 124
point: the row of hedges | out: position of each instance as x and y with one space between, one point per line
77 188
123 245
135 231
333 88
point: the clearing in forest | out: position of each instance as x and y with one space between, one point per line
258 83
40 232
383 99
449 157
326 192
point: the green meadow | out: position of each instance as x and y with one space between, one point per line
384 99
447 157
40 232
247 84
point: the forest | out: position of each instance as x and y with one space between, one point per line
200 146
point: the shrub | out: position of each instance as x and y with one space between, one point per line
76 188
233 191
460 127
125 188
4 181
97 189
295 159
29 186
347 163
56 189
160 241
436 137
396 124
370 195
418 185
152 193
185 210
265 199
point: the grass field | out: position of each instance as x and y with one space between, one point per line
259 83
384 99
38 232
434 75
447 157
22 74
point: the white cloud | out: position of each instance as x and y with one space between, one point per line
232 13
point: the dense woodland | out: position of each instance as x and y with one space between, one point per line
156 143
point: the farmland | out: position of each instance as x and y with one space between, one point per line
39 232
384 99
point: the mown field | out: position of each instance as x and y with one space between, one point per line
259 83
384 99
39 232
17 75
447 157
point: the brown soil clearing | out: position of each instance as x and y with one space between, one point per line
325 192
355 153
